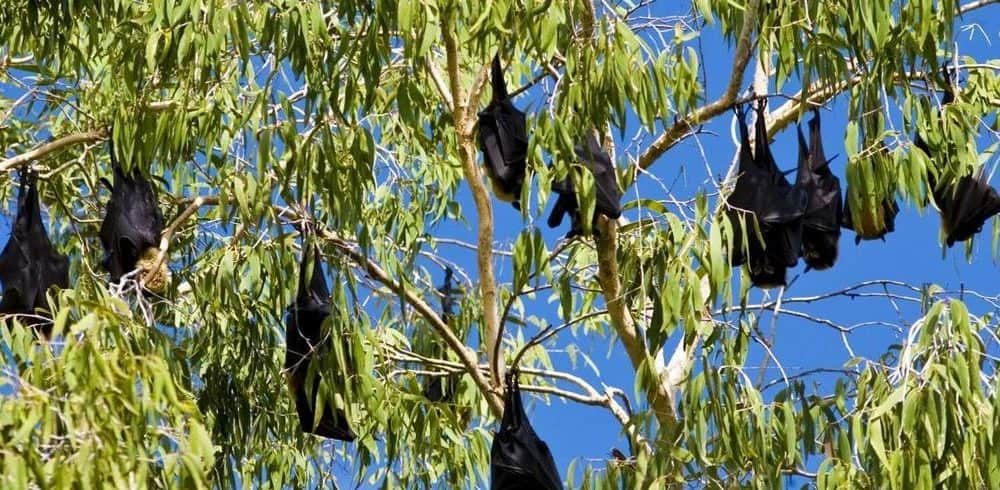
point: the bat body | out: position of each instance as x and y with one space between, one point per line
966 204
519 459
763 193
132 226
875 225
821 222
29 265
440 389
503 139
304 337
595 159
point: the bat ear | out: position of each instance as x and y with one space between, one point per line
106 183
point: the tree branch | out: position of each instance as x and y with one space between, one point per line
974 5
50 147
657 394
462 118
171 229
680 128
466 355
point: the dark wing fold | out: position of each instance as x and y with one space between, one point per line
967 203
519 459
763 193
966 206
29 264
503 139
132 222
608 195
304 337
821 223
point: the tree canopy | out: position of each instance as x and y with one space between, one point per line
266 127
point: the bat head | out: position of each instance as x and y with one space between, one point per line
156 274
819 248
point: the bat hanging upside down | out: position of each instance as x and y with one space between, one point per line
503 138
131 229
29 265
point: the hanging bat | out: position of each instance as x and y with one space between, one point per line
763 193
503 139
821 222
876 224
304 337
966 205
595 159
442 389
878 217
519 459
29 265
131 229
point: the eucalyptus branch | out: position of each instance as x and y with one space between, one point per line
466 355
462 118
171 229
590 396
51 147
680 128
969 7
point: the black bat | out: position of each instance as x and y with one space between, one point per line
503 138
821 222
966 204
519 459
609 196
763 193
304 337
29 265
132 227
442 389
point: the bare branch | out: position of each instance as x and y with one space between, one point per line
51 147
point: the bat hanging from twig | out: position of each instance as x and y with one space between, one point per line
29 264
608 195
304 337
503 138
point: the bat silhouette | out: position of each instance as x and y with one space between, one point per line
821 221
132 227
304 337
967 203
440 389
29 265
763 193
503 138
519 459
595 159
